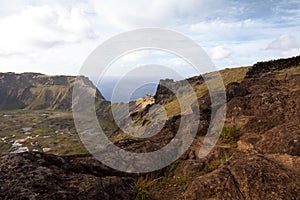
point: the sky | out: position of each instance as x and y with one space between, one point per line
55 37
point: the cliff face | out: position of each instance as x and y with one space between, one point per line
165 87
35 91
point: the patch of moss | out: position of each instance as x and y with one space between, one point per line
108 108
42 130
4 146
28 101
211 166
230 135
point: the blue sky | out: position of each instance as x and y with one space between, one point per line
55 37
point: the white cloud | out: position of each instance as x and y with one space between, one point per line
42 27
56 36
11 7
62 59
179 65
156 13
243 53
219 24
284 42
220 52
285 45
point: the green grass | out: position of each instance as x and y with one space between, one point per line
42 130
108 108
284 76
289 71
143 186
4 146
173 166
211 166
56 137
182 182
28 101
228 75
146 185
230 135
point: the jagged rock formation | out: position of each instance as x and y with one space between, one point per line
163 92
165 87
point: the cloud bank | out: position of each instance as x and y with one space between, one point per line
55 37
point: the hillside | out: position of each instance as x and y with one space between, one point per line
33 91
257 155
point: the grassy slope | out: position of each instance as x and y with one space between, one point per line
228 76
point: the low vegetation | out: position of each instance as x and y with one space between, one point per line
44 131
230 135
143 186
211 166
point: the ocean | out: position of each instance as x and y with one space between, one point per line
127 90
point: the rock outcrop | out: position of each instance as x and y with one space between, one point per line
248 176
41 176
270 66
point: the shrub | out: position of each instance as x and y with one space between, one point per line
230 134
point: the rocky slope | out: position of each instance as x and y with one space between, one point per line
256 157
41 176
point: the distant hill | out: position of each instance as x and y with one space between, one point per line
34 91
